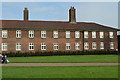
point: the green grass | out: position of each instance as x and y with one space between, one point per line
66 59
61 72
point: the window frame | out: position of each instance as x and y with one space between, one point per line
43 33
77 46
112 44
43 45
101 45
31 33
4 47
86 45
30 46
111 34
86 34
18 32
55 46
94 34
94 45
55 34
101 34
68 46
4 33
77 34
67 34
18 47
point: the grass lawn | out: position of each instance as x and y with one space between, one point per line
66 59
61 72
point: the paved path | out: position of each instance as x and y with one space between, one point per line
60 64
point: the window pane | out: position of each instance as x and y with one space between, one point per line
93 34
86 34
43 34
31 34
67 46
77 34
67 34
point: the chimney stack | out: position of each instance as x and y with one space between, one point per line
72 15
26 15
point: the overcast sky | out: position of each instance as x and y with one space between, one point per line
105 13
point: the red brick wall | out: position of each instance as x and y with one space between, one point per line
37 40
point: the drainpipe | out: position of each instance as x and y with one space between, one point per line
83 39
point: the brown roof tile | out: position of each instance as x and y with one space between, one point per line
50 25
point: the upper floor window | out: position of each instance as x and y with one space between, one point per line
18 34
86 34
67 46
77 46
111 35
94 34
94 45
31 46
111 45
101 45
86 46
31 33
55 46
4 46
67 34
43 34
4 33
43 46
18 46
55 34
101 34
77 34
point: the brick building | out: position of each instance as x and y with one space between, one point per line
28 35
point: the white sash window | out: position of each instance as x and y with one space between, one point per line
93 34
86 34
31 33
55 34
4 33
86 46
77 34
77 46
101 45
67 34
31 46
55 46
18 46
101 34
67 46
43 34
43 46
18 34
4 46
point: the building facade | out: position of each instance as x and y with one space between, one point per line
31 36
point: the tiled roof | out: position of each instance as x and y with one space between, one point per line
50 25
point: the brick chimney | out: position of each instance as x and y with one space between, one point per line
26 15
72 15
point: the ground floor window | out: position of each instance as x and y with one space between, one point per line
4 46
55 46
31 46
77 46
67 46
94 45
86 46
101 45
111 45
43 46
18 46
